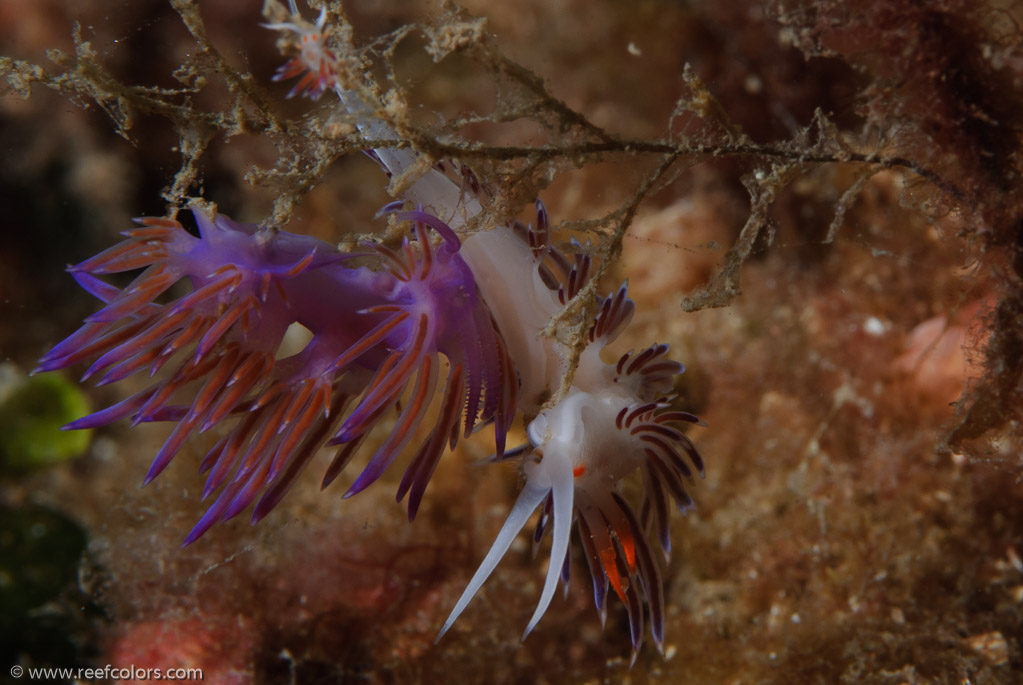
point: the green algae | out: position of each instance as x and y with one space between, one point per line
31 418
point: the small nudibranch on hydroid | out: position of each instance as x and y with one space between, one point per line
318 69
316 64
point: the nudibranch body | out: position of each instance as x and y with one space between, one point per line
378 334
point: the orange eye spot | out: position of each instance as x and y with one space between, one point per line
578 471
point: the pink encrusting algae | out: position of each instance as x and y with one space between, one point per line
379 332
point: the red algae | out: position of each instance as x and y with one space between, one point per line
218 652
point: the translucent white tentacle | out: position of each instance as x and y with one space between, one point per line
530 498
434 190
559 470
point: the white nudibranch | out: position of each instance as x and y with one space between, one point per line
615 419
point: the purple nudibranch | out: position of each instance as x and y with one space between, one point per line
374 334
